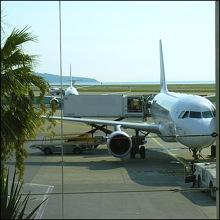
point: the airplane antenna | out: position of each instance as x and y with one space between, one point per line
163 85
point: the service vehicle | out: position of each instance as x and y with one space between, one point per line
75 145
204 176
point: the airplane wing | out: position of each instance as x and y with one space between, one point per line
154 128
211 98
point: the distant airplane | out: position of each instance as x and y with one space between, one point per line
71 90
187 119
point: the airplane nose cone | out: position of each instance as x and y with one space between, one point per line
200 134
212 126
210 132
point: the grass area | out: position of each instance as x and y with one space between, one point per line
206 89
188 88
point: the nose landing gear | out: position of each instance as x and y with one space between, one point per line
213 151
195 155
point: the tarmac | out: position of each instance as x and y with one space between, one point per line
96 185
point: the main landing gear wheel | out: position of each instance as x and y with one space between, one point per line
142 152
212 190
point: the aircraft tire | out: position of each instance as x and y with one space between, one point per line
77 150
142 152
212 190
47 151
199 185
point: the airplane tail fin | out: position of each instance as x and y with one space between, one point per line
163 85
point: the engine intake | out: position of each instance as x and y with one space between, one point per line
119 144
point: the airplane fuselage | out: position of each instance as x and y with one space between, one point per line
71 91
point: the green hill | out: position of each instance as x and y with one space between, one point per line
52 78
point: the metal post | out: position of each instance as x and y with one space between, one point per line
217 101
61 82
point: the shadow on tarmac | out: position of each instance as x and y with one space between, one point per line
159 169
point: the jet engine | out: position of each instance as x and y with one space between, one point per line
119 143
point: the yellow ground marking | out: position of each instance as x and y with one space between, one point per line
169 152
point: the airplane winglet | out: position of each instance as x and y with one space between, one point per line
163 85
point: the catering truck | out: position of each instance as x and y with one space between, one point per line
109 105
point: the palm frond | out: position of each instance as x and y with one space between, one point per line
16 39
17 59
12 206
33 213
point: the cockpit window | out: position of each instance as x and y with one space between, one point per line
195 114
181 114
186 114
214 113
207 114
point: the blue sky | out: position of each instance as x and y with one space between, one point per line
118 41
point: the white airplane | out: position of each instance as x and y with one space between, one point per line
71 90
187 119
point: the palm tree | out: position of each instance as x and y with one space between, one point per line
20 119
